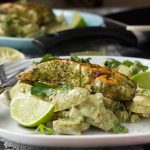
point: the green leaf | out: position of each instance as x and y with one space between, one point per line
41 89
84 60
47 57
112 63
135 67
65 88
118 128
128 63
141 66
138 67
42 129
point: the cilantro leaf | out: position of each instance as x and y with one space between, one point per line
141 66
128 63
138 67
47 57
42 129
65 88
112 63
41 89
118 128
135 67
84 60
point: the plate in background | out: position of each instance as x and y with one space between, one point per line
25 44
139 133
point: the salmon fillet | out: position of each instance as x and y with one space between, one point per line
77 74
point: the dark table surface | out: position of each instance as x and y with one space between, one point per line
9 145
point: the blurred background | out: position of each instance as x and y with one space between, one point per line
90 3
116 13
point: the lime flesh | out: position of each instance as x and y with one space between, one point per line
9 54
77 21
142 79
29 111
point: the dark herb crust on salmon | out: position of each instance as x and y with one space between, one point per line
57 72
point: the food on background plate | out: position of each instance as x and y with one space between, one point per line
32 20
8 54
77 21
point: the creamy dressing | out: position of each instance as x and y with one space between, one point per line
5 98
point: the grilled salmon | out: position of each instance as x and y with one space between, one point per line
78 74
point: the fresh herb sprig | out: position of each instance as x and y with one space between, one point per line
135 67
112 63
42 129
42 89
46 57
64 88
138 67
84 60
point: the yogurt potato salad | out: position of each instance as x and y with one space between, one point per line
69 96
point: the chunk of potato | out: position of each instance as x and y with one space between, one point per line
98 116
71 99
69 126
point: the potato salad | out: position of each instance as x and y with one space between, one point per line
69 96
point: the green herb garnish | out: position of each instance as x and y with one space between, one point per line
47 57
41 89
135 67
42 129
128 63
118 128
84 60
64 88
138 67
141 66
112 63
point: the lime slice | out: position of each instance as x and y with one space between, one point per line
9 54
142 79
77 21
29 111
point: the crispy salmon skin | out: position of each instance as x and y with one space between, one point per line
57 72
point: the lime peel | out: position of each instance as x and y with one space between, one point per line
31 112
142 79
77 21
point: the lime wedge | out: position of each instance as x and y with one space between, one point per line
142 79
29 111
9 54
77 21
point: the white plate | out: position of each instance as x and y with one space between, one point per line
138 133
